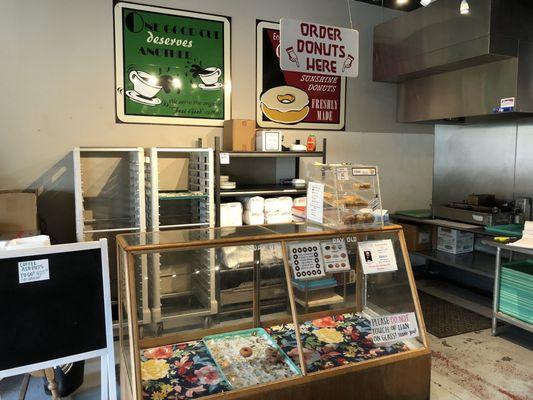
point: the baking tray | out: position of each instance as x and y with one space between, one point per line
513 230
246 333
315 284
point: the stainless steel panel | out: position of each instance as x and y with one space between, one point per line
426 40
524 160
474 159
468 92
471 217
455 67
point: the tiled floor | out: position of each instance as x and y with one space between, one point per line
473 366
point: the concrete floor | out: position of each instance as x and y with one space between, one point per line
473 366
477 366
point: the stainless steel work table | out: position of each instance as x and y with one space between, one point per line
496 314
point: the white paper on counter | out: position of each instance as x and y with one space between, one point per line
527 237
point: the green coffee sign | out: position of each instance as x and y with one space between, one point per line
172 66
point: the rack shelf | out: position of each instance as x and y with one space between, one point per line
262 190
163 196
289 154
476 262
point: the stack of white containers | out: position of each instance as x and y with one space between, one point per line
231 214
254 210
278 210
258 211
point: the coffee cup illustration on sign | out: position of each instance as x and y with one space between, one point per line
145 88
209 77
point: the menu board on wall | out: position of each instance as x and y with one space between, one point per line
288 99
172 66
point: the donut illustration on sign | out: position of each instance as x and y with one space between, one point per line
285 104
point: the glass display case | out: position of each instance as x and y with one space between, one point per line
351 194
331 312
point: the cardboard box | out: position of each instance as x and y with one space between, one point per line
239 135
454 241
18 214
417 237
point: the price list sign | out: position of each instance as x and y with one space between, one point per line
306 260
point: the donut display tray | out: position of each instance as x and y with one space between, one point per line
249 369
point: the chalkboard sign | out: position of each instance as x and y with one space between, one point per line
172 66
55 307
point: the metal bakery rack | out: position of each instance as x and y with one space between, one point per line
179 195
109 199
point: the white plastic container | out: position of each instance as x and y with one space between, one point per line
454 241
267 140
285 204
278 218
231 214
252 218
271 205
254 204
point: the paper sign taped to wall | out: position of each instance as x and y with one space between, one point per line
392 328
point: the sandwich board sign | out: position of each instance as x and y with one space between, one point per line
56 309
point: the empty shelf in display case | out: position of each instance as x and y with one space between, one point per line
349 195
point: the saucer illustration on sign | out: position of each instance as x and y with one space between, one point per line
209 77
145 88
216 86
133 95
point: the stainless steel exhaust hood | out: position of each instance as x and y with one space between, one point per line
457 68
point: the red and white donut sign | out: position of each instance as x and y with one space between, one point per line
318 49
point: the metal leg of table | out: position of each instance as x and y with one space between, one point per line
496 298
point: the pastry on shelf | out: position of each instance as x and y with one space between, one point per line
351 201
362 185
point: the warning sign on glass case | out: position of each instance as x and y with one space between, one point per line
391 328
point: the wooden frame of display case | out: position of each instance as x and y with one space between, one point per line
401 375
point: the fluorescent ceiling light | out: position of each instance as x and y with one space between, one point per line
464 8
426 3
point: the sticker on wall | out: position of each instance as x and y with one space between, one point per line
172 66
288 99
